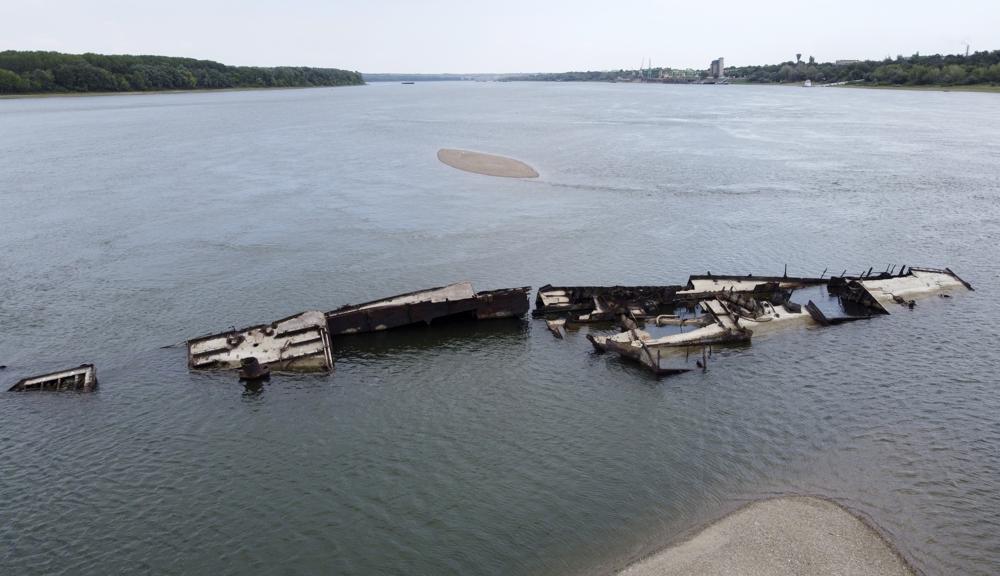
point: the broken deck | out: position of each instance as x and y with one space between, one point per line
299 343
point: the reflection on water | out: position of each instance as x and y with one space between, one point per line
132 222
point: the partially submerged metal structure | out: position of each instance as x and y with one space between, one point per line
455 301
299 343
303 343
876 293
82 378
585 304
734 308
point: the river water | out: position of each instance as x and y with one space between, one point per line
128 223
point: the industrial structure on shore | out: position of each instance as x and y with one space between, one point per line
717 69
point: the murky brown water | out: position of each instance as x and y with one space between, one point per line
132 222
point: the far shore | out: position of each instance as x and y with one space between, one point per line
968 88
922 88
781 536
152 92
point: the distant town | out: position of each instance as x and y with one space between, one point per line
972 70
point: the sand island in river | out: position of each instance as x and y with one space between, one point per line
487 164
793 535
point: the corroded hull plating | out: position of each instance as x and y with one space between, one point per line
425 306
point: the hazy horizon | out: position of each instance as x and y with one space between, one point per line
453 37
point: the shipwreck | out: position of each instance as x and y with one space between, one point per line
82 378
303 343
586 304
299 343
733 309
455 301
881 291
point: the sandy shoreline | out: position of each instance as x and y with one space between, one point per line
790 535
488 164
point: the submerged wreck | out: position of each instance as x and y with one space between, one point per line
877 292
455 301
299 343
82 378
584 304
733 309
770 288
731 318
303 343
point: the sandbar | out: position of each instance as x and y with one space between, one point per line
488 164
792 535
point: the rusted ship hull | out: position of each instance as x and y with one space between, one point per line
455 301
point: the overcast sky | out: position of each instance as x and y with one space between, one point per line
503 35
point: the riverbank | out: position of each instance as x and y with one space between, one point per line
790 535
152 92
922 88
967 88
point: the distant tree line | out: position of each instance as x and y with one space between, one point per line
916 70
588 76
43 72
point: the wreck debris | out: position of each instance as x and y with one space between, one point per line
424 306
737 307
704 286
556 327
730 318
636 344
83 377
251 370
299 343
823 320
583 304
878 292
504 303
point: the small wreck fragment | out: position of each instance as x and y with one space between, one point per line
556 327
83 377
424 306
823 320
879 292
299 343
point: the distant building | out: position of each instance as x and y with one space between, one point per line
717 69
846 62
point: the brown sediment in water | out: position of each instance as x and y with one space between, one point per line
791 535
488 164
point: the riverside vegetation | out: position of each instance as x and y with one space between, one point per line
976 69
54 72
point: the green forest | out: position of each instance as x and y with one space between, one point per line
979 68
916 70
51 72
